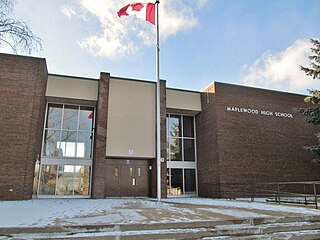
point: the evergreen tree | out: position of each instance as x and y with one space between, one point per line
312 114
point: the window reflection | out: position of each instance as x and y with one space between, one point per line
48 180
68 143
175 148
86 118
181 147
70 117
174 126
51 144
180 144
71 137
84 145
81 180
54 116
65 180
70 180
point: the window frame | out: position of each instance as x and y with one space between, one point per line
76 161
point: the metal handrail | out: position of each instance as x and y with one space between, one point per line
254 190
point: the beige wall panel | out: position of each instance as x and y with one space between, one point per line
70 87
131 119
183 100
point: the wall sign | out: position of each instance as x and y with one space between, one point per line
259 112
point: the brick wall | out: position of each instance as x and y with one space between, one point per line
207 146
252 148
22 107
99 156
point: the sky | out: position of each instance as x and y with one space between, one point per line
258 43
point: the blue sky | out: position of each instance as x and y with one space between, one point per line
249 42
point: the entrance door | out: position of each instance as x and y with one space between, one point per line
127 179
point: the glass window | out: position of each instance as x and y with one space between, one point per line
176 182
68 134
86 118
180 141
84 145
181 147
175 149
175 126
82 180
54 116
68 138
188 128
51 145
48 180
68 143
65 180
189 153
190 180
70 117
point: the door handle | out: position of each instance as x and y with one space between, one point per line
133 181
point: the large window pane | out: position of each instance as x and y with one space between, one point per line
188 129
54 116
84 145
48 180
70 117
82 180
68 143
174 126
65 180
189 153
190 180
51 145
86 117
175 149
176 182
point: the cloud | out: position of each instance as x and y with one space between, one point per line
117 38
281 70
68 11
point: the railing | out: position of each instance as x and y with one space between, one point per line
290 192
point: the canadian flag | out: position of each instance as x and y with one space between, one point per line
145 11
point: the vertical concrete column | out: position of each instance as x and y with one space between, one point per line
99 156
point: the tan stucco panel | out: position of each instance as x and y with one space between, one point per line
131 119
185 100
71 87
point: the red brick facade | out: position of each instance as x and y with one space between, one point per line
100 143
22 89
235 147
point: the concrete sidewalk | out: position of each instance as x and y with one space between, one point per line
179 218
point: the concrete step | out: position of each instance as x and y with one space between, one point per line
232 229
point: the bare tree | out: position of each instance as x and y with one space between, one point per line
16 33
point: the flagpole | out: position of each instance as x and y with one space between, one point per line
158 106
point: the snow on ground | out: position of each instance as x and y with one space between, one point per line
257 205
43 212
62 212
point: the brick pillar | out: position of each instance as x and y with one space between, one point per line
163 113
163 116
99 157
